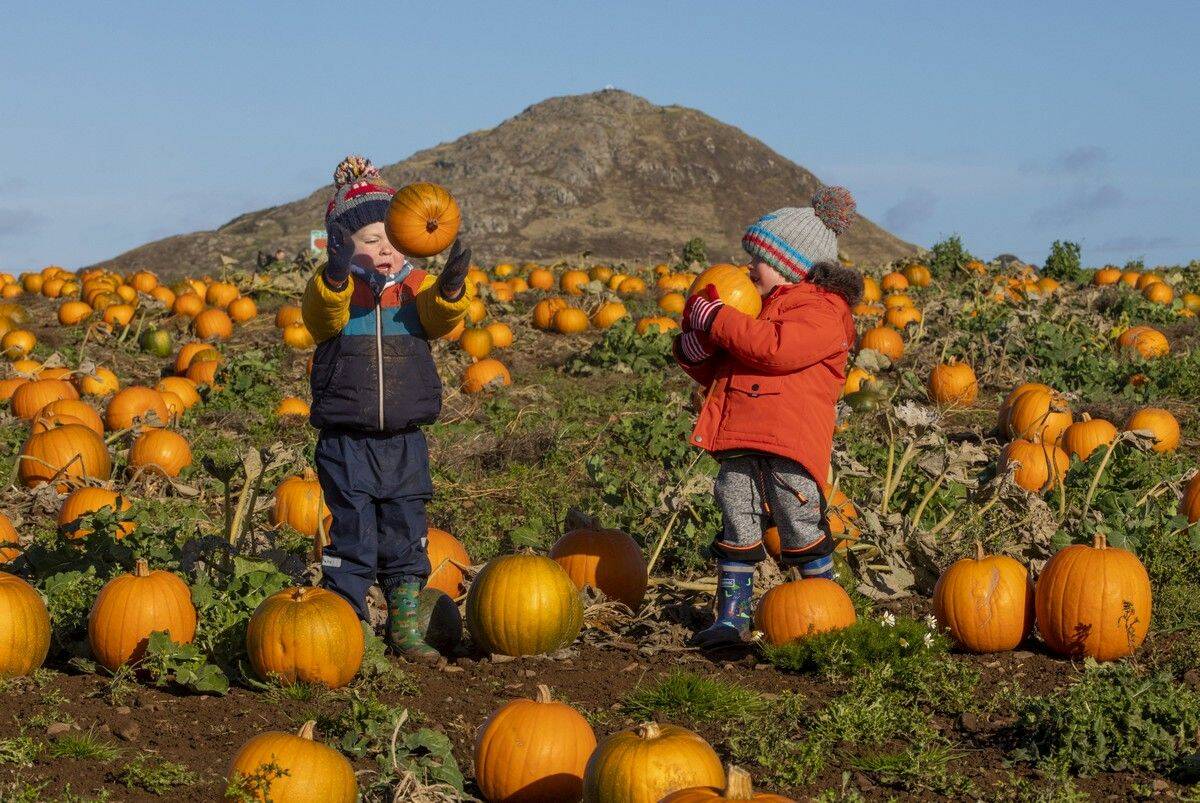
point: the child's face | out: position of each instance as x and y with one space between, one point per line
373 250
765 277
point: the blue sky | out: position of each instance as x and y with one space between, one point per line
1011 124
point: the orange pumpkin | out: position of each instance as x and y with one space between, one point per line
918 275
570 321
609 313
541 279
182 387
901 317
100 382
531 750
953 384
17 343
572 282
292 406
187 305
608 560
1106 276
986 602
672 303
502 335
135 404
132 606
632 286
1158 293
884 339
1160 423
305 635
64 452
476 342
161 451
737 787
10 540
447 556
24 628
733 287
1094 601
1038 415
645 764
297 336
299 503
77 409
30 398
523 605
894 282
422 219
486 373
1189 504
545 310
1087 435
657 323
287 315
189 352
302 770
801 608
242 309
83 502
1041 465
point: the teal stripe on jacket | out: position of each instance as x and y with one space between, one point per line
401 320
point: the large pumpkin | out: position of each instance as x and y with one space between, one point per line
446 556
487 373
608 560
884 339
299 503
77 409
1158 422
986 602
303 770
523 605
647 763
737 787
24 627
801 608
733 286
1038 415
1041 465
61 453
1189 504
529 751
953 384
306 635
132 606
182 387
29 398
83 502
160 451
1087 435
422 219
1093 601
10 539
476 341
135 404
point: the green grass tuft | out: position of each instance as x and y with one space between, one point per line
693 698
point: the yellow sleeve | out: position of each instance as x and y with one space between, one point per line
325 311
439 316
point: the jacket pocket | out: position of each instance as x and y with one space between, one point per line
756 385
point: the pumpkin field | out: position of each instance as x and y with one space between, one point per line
1016 614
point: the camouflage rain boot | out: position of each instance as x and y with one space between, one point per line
735 592
403 631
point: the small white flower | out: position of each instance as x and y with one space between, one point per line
888 619
928 640
931 622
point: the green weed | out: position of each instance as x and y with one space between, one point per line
19 751
695 698
85 746
868 642
155 777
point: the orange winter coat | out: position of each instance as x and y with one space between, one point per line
774 385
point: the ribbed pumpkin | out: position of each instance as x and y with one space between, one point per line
187 353
672 303
308 771
182 387
918 275
737 787
476 342
135 404
1146 341
572 282
187 305
1158 293
893 282
800 608
9 386
162 451
901 317
733 287
1087 435
523 605
898 301
608 560
1189 503
570 321
1106 276
17 343
132 606
29 399
1038 415
85 501
533 751
446 553
502 336
486 373
986 602
541 279
299 503
306 635
422 219
71 313
609 313
288 314
212 324
78 409
24 627
647 763
61 453
884 339
953 384
1094 601
10 539
1160 422
1042 465
297 336
871 290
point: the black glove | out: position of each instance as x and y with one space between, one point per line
340 248
454 275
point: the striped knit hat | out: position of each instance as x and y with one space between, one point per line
362 196
792 240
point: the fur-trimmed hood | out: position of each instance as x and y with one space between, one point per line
846 282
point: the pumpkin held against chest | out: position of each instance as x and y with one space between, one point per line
733 287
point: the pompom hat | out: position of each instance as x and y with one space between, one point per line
361 197
792 240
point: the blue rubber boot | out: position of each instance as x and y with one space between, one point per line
735 592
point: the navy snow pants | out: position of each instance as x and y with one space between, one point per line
376 486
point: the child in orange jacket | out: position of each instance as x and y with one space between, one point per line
773 383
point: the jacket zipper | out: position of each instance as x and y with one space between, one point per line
379 354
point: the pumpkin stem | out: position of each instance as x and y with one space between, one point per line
298 593
1099 541
648 730
306 730
543 694
141 568
1085 417
979 550
431 225
737 784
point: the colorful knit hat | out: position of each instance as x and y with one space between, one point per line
362 196
792 240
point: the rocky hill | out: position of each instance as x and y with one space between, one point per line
607 172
